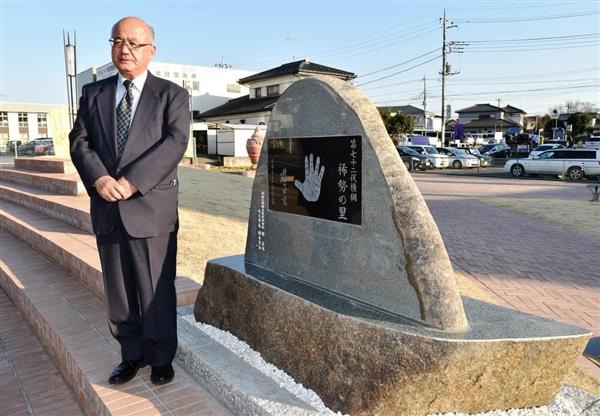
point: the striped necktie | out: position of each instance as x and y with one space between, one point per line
124 117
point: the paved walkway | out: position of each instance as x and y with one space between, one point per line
30 384
525 264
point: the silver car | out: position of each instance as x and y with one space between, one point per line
484 160
459 158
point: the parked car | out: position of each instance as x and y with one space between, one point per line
487 149
413 159
496 151
484 160
543 148
574 163
439 161
593 142
12 144
31 147
459 158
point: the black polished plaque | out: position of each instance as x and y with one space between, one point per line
318 177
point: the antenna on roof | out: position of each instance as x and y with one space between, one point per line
293 40
222 64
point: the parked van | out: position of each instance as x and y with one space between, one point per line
573 163
438 160
593 142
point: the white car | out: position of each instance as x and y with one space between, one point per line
459 158
573 163
593 142
438 160
542 148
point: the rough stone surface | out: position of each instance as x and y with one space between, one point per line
234 382
396 260
361 363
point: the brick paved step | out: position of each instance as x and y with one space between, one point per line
29 381
70 209
71 248
71 324
60 183
49 164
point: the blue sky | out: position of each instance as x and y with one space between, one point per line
529 54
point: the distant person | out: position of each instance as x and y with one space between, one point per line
131 132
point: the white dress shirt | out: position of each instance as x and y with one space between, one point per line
136 90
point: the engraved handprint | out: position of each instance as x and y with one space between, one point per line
311 188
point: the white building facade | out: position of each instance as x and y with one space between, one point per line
21 122
208 86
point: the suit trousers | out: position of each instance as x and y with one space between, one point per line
139 282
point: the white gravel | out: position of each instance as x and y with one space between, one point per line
571 401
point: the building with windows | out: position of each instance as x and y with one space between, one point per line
264 89
21 122
489 119
208 86
423 122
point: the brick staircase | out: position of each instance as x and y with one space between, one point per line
50 270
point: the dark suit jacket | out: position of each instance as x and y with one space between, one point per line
157 139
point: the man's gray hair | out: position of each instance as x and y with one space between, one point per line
112 31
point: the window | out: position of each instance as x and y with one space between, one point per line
22 119
3 119
158 73
257 92
187 85
233 88
272 90
185 75
195 85
42 121
193 76
167 74
176 74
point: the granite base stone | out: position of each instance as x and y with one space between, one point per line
361 362
240 386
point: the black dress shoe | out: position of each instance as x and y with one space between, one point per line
125 371
162 375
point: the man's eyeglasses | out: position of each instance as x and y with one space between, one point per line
118 43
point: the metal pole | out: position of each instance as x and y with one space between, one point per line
425 106
69 96
443 76
76 90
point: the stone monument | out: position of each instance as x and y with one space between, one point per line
346 284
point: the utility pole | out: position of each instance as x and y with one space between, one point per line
446 67
500 114
425 105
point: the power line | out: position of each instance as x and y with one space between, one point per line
544 48
533 39
487 93
400 64
524 82
400 72
527 19
541 74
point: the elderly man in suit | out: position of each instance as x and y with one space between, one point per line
131 132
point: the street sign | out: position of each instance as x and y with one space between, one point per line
558 134
554 114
